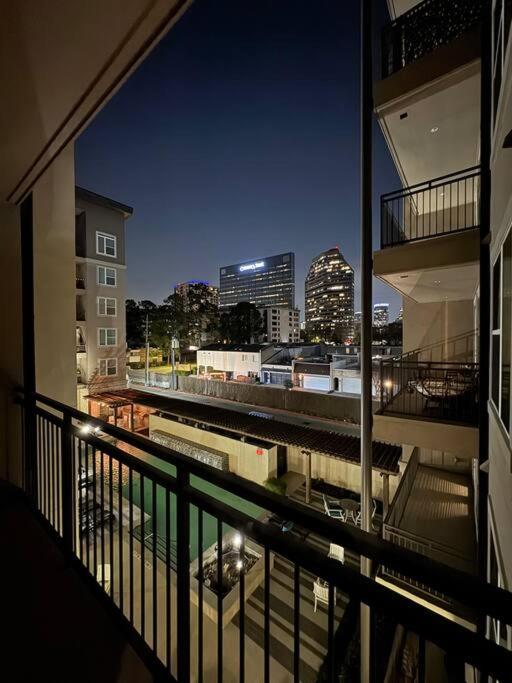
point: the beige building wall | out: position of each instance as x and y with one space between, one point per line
338 472
11 350
430 323
54 264
245 459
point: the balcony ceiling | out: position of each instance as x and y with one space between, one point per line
60 62
457 283
450 108
398 7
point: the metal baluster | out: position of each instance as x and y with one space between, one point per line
200 595
102 517
95 548
219 602
296 623
155 582
130 538
111 528
142 574
266 618
168 576
120 537
242 611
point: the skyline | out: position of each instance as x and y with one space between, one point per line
237 138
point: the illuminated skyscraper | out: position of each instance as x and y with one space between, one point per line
329 301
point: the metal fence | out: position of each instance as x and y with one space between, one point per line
445 391
440 206
424 28
176 562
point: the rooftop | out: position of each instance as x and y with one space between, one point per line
243 348
94 198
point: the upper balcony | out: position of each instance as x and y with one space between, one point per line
429 397
423 29
430 238
428 100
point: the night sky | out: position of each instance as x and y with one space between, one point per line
238 138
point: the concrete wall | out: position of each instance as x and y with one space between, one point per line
310 403
244 459
429 323
338 472
54 266
11 360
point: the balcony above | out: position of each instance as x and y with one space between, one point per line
424 28
430 238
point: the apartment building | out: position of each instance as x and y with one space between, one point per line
281 324
434 107
132 582
100 291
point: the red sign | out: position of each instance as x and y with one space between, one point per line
259 451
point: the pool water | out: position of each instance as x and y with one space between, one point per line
209 522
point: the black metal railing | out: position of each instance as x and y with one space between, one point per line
80 282
436 207
176 551
80 348
424 28
445 391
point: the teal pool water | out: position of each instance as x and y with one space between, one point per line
209 522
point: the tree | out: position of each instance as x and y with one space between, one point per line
243 324
136 312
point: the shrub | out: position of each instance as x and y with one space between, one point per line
275 486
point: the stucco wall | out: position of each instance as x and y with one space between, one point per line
54 275
429 323
244 458
339 472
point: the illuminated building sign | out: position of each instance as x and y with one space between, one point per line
252 266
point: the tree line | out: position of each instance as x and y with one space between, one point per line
192 319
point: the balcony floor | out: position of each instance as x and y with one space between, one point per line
54 628
440 509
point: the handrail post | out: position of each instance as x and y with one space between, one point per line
67 484
183 575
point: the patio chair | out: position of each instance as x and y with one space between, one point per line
337 552
321 592
333 509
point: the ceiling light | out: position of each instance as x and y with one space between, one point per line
434 129
437 282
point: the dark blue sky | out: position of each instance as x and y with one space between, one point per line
238 138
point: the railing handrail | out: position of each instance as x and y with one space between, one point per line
471 172
428 543
462 586
404 486
443 342
427 363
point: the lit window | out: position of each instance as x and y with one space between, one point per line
107 276
107 336
106 245
107 306
108 367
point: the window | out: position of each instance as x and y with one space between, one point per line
107 276
108 367
107 336
106 245
107 306
502 331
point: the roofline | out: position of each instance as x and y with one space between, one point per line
101 200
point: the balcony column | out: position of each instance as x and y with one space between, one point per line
366 114
308 475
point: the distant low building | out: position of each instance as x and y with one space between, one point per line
240 362
136 357
281 325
